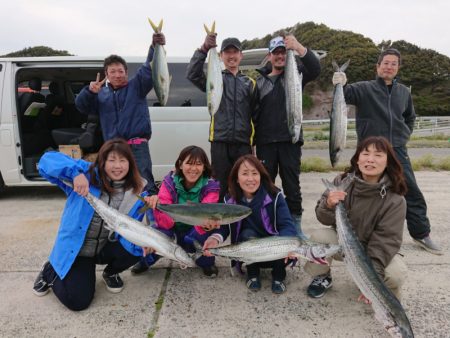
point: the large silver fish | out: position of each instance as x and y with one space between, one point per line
276 247
338 119
199 213
160 69
214 80
388 310
137 233
293 90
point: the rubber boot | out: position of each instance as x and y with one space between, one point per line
298 227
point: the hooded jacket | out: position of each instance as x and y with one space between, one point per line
232 123
273 215
376 214
380 112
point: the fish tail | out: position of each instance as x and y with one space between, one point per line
345 183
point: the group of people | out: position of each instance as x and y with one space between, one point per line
251 113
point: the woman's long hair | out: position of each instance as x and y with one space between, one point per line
394 169
194 154
235 189
133 179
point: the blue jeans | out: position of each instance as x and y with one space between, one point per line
416 207
141 154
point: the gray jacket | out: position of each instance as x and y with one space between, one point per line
380 113
232 122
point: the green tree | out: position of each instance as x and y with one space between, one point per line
38 51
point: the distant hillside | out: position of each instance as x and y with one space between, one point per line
37 51
426 71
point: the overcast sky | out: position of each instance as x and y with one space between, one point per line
100 28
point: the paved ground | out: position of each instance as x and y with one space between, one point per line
194 306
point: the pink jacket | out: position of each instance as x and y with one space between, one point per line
166 197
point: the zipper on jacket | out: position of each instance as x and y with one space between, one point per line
234 108
389 108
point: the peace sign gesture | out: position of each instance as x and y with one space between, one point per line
96 85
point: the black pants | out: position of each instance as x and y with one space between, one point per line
77 289
416 207
223 157
278 266
284 157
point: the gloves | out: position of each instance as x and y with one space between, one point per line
210 42
158 38
339 78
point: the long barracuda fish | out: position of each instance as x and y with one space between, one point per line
137 233
338 119
275 247
198 213
388 310
293 90
214 80
160 69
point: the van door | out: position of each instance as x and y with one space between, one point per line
9 167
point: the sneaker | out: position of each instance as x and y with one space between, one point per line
41 287
278 287
319 286
113 283
139 268
254 284
210 271
427 244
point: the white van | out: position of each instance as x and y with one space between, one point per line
27 132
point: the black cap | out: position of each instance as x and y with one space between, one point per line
228 42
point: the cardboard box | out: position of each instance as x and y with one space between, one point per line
90 157
73 151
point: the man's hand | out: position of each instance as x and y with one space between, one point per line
96 85
158 38
339 78
210 42
291 43
81 185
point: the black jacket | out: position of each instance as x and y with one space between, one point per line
380 113
271 116
232 123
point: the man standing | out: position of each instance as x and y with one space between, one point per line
274 145
231 128
123 108
385 108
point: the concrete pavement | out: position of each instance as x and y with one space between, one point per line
195 306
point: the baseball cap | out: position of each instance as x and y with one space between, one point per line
276 42
230 42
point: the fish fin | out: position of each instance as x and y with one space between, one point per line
335 66
198 247
206 29
211 30
155 28
344 66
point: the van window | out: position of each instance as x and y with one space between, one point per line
182 92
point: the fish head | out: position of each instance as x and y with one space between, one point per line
183 258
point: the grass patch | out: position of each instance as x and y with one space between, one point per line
428 162
318 164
